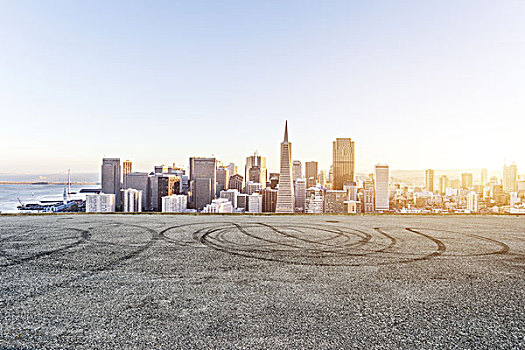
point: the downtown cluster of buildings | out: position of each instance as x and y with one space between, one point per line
213 187
444 194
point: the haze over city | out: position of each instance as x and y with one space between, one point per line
416 85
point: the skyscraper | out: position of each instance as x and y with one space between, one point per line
111 178
232 169
382 188
223 179
300 195
429 180
236 182
127 167
444 182
484 177
297 169
255 169
343 162
285 193
466 180
510 178
203 180
141 182
310 173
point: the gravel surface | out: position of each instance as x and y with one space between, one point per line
250 282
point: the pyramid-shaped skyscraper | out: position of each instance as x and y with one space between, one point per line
285 195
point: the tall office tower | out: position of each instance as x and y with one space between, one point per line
255 170
343 162
127 166
472 202
285 195
100 203
510 178
484 177
232 169
310 173
466 181
255 203
321 178
382 188
269 200
203 181
132 200
443 184
236 182
140 182
230 195
177 203
300 195
297 169
111 178
223 179
429 180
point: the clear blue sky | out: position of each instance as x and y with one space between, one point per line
417 84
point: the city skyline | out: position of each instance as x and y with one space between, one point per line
416 85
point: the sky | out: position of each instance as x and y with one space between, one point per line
416 84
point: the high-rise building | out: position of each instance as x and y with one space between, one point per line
321 178
466 181
300 195
429 180
255 203
100 203
297 169
472 202
219 205
223 179
255 170
314 200
382 188
127 167
131 200
232 169
510 178
236 182
484 177
310 173
242 202
230 195
140 181
177 203
343 162
285 195
269 200
253 187
203 181
334 201
444 182
111 178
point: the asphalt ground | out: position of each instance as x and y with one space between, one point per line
250 282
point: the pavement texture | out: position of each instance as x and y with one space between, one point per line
261 282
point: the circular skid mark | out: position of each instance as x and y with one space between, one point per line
478 246
306 244
29 245
121 254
